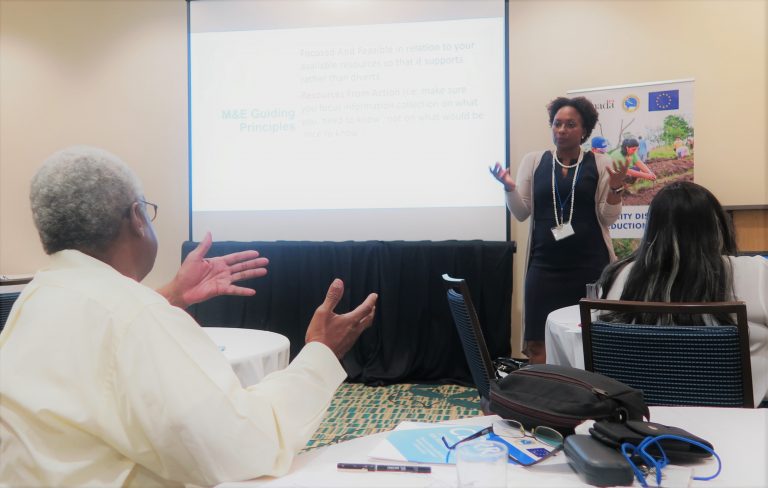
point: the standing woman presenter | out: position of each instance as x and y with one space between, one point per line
573 197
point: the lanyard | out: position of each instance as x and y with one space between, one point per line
560 219
561 203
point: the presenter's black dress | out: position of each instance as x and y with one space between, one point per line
558 271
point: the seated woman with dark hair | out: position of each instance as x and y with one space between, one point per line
688 254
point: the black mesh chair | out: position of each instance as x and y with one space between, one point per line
6 303
675 364
472 340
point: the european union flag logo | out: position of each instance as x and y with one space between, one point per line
664 100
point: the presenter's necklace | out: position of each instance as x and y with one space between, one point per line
568 166
560 221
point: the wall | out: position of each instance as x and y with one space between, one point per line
113 74
110 74
750 223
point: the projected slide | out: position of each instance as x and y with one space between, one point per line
403 115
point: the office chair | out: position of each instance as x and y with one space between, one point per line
673 364
472 340
6 303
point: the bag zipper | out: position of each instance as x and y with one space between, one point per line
553 419
566 379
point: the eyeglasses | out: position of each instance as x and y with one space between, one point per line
151 209
511 431
571 124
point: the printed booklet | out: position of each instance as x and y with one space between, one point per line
422 443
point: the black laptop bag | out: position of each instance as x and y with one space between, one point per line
562 397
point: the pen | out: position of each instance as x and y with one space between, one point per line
385 468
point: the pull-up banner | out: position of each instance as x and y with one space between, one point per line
657 120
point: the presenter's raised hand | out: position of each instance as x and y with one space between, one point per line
502 175
617 173
339 332
201 278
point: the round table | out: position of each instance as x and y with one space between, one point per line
562 337
252 353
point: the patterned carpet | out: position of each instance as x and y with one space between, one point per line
357 410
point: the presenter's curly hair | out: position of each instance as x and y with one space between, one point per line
79 197
680 257
585 108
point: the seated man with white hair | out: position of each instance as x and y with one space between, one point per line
105 382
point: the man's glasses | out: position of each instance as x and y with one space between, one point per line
511 430
151 210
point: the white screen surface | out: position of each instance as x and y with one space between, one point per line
348 132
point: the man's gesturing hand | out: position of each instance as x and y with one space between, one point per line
201 278
339 332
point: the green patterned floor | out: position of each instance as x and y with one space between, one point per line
357 410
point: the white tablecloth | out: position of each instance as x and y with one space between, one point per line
738 436
252 353
563 338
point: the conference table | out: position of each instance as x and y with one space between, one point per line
252 353
562 337
738 436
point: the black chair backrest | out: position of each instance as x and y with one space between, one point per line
707 365
472 340
6 303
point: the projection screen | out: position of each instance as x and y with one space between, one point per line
347 120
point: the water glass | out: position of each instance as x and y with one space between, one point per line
592 291
481 464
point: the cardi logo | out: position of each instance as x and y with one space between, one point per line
608 104
630 103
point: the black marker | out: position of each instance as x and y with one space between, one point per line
385 468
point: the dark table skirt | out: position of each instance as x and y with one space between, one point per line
413 338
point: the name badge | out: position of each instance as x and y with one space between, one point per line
562 231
